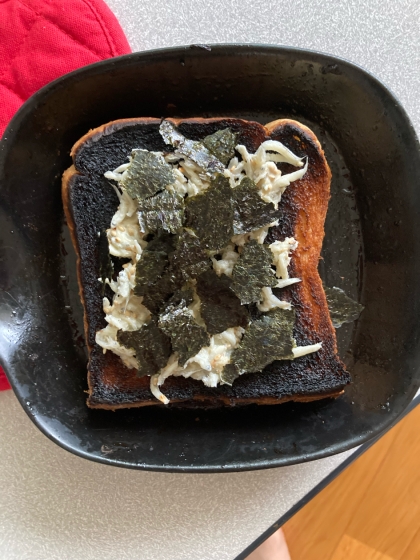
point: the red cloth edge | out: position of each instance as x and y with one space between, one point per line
113 36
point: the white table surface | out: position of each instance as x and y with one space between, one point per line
54 505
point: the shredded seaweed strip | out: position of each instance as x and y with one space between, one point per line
187 336
342 308
267 339
149 270
195 151
106 267
220 308
210 214
221 144
189 257
249 210
252 272
151 345
147 174
163 211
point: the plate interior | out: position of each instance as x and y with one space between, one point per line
371 250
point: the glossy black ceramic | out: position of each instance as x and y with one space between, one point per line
371 249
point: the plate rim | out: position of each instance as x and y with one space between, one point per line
154 55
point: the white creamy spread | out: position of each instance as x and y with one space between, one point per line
227 262
124 236
126 311
270 301
299 351
206 366
281 255
262 169
258 234
107 339
190 179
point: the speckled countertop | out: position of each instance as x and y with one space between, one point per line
54 505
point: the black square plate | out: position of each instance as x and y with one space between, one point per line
371 249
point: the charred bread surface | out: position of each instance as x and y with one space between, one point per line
90 202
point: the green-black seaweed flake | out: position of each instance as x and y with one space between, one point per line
342 308
163 211
221 144
252 272
151 345
195 151
149 269
250 212
220 308
267 339
159 293
210 214
187 336
189 257
229 374
147 174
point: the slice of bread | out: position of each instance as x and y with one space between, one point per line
90 202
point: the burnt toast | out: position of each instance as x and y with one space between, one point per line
90 202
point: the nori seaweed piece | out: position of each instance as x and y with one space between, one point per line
162 280
249 209
184 297
267 339
170 134
252 272
210 214
193 150
229 374
106 266
149 269
164 211
151 345
147 174
162 241
189 256
342 308
159 293
221 144
220 308
187 336
200 155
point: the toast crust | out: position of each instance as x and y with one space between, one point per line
113 386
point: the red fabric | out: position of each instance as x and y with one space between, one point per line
40 40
